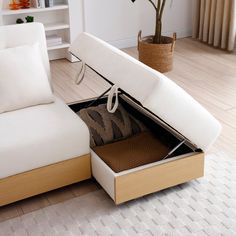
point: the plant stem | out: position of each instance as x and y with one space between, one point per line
162 8
156 38
153 4
159 13
158 6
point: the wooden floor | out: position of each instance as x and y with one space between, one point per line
208 74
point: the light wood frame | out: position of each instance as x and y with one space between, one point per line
153 179
44 179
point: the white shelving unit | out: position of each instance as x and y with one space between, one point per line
64 19
60 46
56 26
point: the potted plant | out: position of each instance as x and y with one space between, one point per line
156 50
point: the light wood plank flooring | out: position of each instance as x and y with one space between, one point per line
209 75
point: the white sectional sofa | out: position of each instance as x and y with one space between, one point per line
46 146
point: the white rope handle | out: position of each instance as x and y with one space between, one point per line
80 76
113 91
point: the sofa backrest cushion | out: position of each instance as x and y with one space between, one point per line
23 78
25 34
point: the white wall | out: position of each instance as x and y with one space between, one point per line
118 21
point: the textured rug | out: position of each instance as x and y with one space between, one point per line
206 206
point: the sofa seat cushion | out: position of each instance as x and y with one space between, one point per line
41 135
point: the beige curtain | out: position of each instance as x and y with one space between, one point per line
214 22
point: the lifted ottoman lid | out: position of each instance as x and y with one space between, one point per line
152 89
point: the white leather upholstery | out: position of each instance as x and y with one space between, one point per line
153 89
38 136
25 34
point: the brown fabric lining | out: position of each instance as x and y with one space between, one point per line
136 151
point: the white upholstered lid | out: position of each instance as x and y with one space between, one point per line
152 89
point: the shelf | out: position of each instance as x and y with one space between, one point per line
59 46
56 21
7 12
56 26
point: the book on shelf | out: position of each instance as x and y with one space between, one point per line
53 40
38 3
49 3
53 44
42 3
35 3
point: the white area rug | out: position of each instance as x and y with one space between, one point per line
202 207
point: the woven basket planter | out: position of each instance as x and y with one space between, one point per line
157 56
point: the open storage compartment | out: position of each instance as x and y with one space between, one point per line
178 129
152 158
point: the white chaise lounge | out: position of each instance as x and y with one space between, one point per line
46 146
154 98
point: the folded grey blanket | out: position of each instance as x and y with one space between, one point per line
108 127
